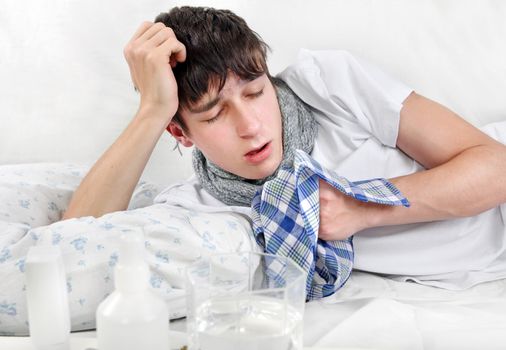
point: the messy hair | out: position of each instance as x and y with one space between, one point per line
218 42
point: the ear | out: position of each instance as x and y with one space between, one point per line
179 134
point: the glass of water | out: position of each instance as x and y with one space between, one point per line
247 301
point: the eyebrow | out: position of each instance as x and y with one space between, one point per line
206 106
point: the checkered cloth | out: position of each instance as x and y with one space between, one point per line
286 219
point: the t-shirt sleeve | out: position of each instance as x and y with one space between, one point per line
344 86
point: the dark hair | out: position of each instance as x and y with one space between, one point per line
217 42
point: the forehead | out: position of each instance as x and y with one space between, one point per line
233 84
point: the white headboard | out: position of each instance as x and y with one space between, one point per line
65 91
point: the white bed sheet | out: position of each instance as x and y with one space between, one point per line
373 312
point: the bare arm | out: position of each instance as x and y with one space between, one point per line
464 176
110 183
466 168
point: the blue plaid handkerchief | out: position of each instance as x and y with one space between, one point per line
286 219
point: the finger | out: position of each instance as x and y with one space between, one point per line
148 34
173 50
142 29
160 37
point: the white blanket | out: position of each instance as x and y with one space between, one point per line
33 198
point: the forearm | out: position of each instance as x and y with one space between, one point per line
468 184
110 183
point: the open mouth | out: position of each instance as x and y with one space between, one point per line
256 151
259 154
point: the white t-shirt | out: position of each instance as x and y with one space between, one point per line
357 108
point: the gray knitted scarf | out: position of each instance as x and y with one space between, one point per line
299 132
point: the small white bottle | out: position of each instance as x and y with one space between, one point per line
47 300
132 317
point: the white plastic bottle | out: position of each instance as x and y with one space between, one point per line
132 317
46 293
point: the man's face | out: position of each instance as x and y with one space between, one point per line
239 128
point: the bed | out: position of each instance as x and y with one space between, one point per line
66 95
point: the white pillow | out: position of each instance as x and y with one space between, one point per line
38 194
35 195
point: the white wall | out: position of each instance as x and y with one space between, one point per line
65 91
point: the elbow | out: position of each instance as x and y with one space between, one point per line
73 213
70 214
490 190
66 216
497 155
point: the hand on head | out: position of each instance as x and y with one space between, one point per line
151 54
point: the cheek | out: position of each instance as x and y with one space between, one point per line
273 114
269 110
214 141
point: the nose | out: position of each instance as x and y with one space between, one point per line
247 123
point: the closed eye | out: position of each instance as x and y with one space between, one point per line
257 94
215 118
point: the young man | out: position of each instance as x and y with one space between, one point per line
202 75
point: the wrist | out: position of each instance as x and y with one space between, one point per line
375 215
157 113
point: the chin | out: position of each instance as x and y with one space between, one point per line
260 176
260 171
266 171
